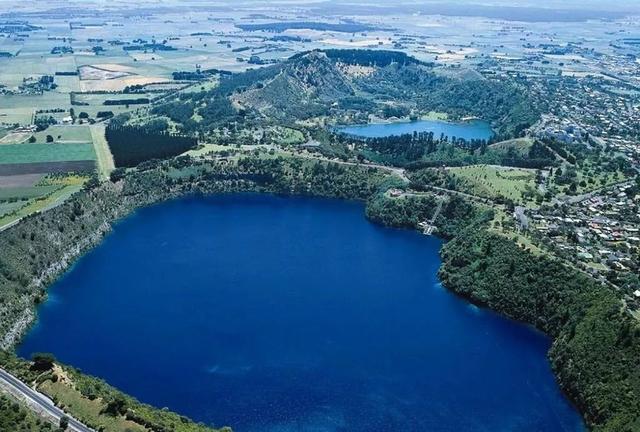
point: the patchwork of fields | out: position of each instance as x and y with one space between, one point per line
37 173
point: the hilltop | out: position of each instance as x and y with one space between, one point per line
350 85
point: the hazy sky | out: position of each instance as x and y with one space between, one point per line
593 4
632 6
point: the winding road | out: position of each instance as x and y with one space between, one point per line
38 402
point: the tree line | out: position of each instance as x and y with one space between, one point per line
132 145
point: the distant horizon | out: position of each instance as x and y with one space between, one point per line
519 11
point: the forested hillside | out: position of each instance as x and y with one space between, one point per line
337 82
596 342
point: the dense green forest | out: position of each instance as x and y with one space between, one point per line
596 343
407 212
422 150
132 145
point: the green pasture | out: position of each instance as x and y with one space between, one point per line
521 146
23 193
494 182
31 153
71 134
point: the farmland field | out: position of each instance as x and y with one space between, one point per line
58 196
23 180
18 202
14 138
71 134
30 153
13 193
16 169
7 207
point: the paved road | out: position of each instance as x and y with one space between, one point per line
37 401
400 172
452 192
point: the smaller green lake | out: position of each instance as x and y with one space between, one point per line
474 129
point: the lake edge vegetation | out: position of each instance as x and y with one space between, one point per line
595 341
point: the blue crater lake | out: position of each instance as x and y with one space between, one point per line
282 314
474 129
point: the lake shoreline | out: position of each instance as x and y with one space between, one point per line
467 129
116 201
248 198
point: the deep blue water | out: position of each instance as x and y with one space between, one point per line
475 129
294 314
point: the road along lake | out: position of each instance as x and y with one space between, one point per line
268 313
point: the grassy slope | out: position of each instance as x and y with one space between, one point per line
493 182
520 145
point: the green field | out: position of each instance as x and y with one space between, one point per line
104 157
495 182
30 153
285 136
521 146
71 134
21 108
96 103
16 193
7 207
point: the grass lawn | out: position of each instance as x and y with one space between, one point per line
87 410
494 182
202 86
15 138
65 134
104 157
8 207
24 193
30 153
205 149
434 115
285 136
503 224
520 145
